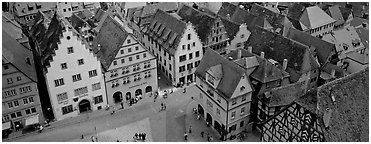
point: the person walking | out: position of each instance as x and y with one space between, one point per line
113 110
92 139
202 134
144 136
190 129
122 104
41 128
185 136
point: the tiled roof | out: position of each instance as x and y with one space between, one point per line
308 101
347 36
285 95
103 17
110 38
77 22
347 99
167 30
336 14
339 72
314 17
98 14
361 58
323 48
39 27
363 34
296 9
202 22
275 19
23 6
226 8
230 27
345 12
232 73
11 26
165 6
85 14
278 48
357 21
16 54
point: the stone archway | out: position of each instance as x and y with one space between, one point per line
209 118
138 92
84 106
217 126
200 110
148 89
117 97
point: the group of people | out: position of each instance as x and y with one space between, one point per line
209 137
140 136
163 107
135 100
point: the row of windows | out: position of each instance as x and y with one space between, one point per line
129 49
75 78
188 46
190 56
79 62
136 77
234 127
25 102
10 80
189 66
130 58
79 91
320 28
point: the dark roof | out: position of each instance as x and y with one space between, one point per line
77 22
275 19
98 14
110 38
239 15
285 95
336 14
85 14
152 8
308 100
345 12
363 34
339 72
296 9
232 73
278 48
230 27
265 72
201 21
295 23
167 30
227 8
347 99
16 54
323 48
39 28
357 21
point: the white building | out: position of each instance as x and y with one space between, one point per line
129 68
73 73
316 22
176 45
25 12
66 9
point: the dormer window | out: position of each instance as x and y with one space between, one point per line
211 79
242 88
28 61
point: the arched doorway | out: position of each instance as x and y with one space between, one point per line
148 89
128 95
117 97
200 110
209 118
217 127
84 106
138 92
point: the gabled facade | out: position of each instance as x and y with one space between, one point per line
176 45
129 68
24 12
73 74
237 40
20 98
225 92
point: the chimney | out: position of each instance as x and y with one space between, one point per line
333 73
284 64
228 17
239 54
99 46
262 54
249 49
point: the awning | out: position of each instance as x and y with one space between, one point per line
6 125
32 120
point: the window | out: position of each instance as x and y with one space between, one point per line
209 103
218 111
19 78
130 59
64 10
59 82
242 88
92 73
189 46
76 77
70 50
19 114
10 104
243 111
123 60
25 89
6 67
64 66
98 99
67 109
234 101
197 63
96 86
238 44
122 51
189 36
6 118
10 93
233 115
190 56
69 9
81 91
182 58
81 61
189 66
136 48
243 98
129 50
242 35
197 53
217 24
28 111
62 96
68 37
169 57
242 123
33 110
30 99
25 101
182 69
16 103
183 47
193 44
10 80
144 55
219 99
170 67
128 41
137 56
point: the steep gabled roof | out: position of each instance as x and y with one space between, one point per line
16 54
344 108
39 27
323 48
284 95
314 17
336 14
226 8
230 27
77 22
165 6
202 22
363 34
275 19
329 67
232 73
110 38
166 29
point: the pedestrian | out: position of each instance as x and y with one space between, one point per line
92 139
117 141
96 139
184 90
190 129
211 138
144 136
164 106
198 116
41 128
202 134
185 136
113 111
122 104
136 135
208 138
140 136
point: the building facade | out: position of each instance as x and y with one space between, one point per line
176 45
316 22
73 74
130 70
24 12
66 9
20 99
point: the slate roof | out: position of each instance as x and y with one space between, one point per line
275 19
232 73
363 34
323 48
16 54
314 17
226 8
110 38
336 14
357 21
202 22
345 12
230 27
278 48
360 58
167 30
284 95
165 6
349 120
308 101
339 72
